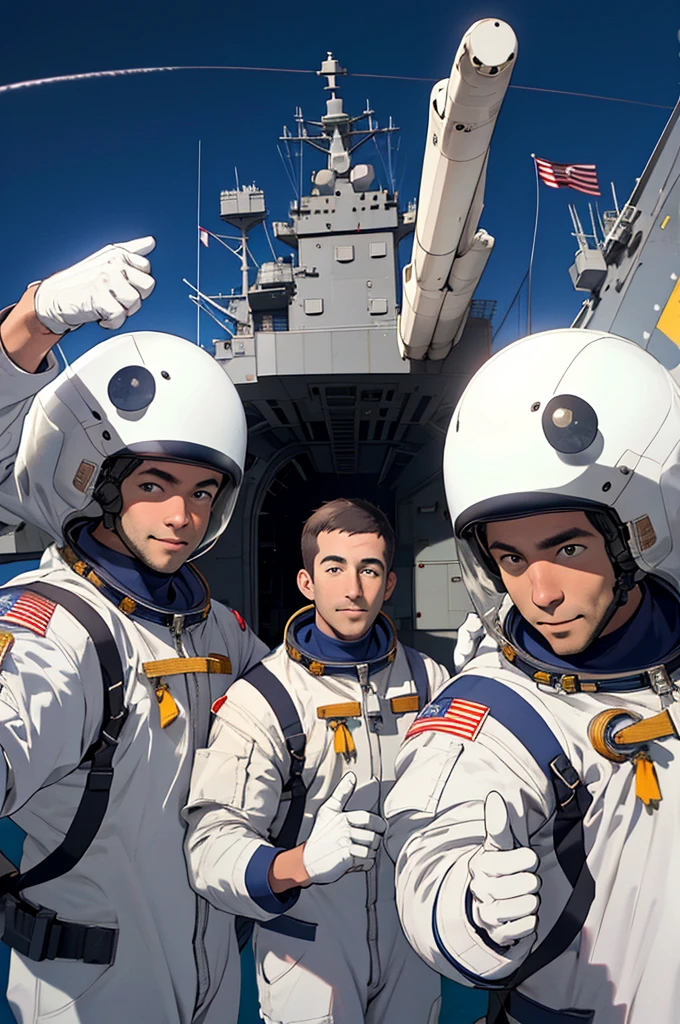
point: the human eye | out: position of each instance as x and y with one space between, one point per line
149 488
513 564
203 495
572 550
369 572
333 570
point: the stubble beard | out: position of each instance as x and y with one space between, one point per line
141 556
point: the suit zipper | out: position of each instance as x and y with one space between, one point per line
371 876
201 913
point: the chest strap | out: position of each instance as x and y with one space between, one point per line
35 931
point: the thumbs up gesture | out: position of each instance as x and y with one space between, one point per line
341 840
504 883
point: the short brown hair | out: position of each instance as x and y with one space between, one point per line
348 515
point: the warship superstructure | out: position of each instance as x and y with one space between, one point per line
633 274
343 395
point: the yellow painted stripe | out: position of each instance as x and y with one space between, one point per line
669 321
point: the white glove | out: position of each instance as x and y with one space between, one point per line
107 287
469 637
341 840
504 883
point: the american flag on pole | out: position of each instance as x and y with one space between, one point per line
204 236
26 609
582 177
457 717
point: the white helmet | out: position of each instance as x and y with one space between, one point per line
141 395
568 419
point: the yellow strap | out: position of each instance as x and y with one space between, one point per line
400 705
167 705
352 709
646 782
647 729
342 740
6 644
218 664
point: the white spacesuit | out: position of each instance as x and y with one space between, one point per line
157 951
566 420
335 954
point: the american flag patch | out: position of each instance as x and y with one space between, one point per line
27 609
458 717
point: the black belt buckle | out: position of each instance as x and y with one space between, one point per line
27 930
567 777
99 946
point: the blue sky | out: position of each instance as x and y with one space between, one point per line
90 162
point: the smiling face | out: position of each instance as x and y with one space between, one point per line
349 583
556 569
166 510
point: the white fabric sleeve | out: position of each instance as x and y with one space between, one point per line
234 797
435 815
17 390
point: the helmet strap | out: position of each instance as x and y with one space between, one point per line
623 563
108 489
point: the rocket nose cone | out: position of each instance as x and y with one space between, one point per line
492 46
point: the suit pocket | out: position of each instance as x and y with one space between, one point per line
221 778
424 774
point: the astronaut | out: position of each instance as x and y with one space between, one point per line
285 805
534 820
112 653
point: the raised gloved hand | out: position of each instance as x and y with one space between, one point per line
469 637
504 883
106 287
341 840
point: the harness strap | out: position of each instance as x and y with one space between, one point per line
36 931
416 663
95 798
280 701
527 1011
572 800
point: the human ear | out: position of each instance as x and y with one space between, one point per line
305 584
390 585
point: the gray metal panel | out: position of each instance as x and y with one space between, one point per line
349 351
266 347
317 353
384 352
643 254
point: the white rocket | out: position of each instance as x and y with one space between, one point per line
449 254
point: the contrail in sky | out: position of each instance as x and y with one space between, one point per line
12 86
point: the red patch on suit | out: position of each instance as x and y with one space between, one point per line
239 618
218 704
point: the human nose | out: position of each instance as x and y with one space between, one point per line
546 592
175 513
353 586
